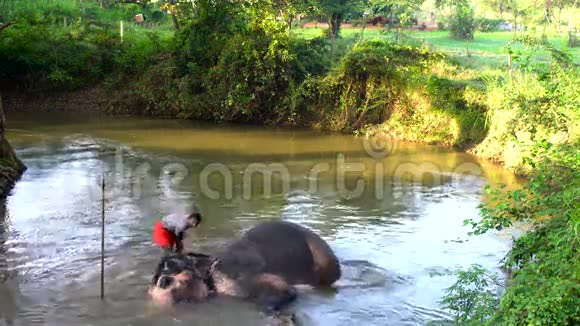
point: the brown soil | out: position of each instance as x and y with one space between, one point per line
85 100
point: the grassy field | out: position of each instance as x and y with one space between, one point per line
486 50
64 44
63 14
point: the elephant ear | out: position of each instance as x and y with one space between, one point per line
240 260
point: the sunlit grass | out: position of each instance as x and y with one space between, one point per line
59 13
486 50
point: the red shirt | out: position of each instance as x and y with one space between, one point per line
163 237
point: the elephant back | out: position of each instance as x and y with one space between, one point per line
291 251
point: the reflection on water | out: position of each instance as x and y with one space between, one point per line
390 215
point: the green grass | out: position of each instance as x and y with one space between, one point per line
39 11
71 44
486 50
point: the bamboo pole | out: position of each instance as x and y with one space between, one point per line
103 239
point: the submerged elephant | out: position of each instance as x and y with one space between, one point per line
262 266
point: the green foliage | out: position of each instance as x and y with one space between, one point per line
474 296
246 71
557 56
538 98
378 7
60 44
367 85
461 101
544 262
336 11
546 288
487 25
404 11
253 74
463 23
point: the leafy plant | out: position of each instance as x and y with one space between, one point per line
474 297
463 23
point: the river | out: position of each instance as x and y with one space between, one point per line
390 211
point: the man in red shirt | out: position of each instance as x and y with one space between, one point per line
168 232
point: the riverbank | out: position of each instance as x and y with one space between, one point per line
252 70
11 167
421 125
442 112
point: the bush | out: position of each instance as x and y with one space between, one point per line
366 85
463 22
489 25
253 75
540 119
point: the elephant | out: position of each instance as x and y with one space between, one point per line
263 266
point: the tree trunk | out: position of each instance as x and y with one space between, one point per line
334 22
2 121
175 21
331 48
571 37
515 23
174 15
548 6
101 4
559 20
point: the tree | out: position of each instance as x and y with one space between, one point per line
378 6
288 9
561 5
498 6
336 11
171 6
402 12
463 22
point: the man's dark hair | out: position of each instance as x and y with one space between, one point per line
197 217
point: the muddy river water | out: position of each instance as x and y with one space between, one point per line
389 210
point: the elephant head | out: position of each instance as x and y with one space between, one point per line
181 278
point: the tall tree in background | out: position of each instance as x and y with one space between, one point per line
570 5
378 7
463 22
497 6
289 9
516 9
336 11
171 6
404 11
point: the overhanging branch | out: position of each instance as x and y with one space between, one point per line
3 26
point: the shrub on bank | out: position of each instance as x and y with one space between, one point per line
366 85
533 112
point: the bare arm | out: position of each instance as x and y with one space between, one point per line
179 243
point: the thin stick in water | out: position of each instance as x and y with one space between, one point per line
103 239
